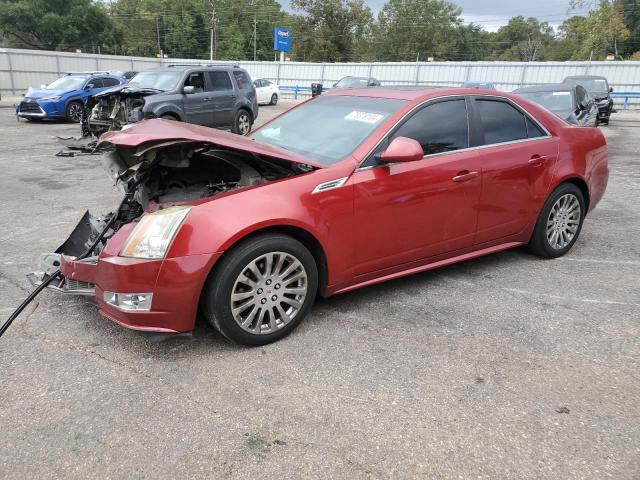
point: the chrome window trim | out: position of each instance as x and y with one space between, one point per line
477 147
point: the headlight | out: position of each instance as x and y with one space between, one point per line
52 99
154 233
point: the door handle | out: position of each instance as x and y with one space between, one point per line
464 176
537 160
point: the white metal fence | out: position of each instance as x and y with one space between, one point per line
20 69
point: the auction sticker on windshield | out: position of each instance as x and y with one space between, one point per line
365 117
556 94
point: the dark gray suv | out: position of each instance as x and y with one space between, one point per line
220 96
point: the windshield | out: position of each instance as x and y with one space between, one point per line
327 129
67 83
352 82
554 101
594 85
156 80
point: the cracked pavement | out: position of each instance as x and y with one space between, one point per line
506 366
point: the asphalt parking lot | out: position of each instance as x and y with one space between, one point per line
506 366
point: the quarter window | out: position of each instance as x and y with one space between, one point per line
439 127
501 122
220 81
533 130
242 80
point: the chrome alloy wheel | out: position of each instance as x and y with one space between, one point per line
244 124
563 221
75 112
269 293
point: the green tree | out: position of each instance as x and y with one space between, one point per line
411 29
332 30
631 13
57 24
570 40
603 28
524 40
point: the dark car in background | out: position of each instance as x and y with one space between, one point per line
599 89
475 84
356 82
221 96
570 102
65 97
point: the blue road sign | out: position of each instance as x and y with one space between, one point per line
282 39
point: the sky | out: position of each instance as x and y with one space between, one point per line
492 14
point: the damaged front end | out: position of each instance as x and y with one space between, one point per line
107 257
112 109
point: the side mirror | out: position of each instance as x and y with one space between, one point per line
89 86
610 89
402 149
189 89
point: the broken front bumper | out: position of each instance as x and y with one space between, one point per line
174 283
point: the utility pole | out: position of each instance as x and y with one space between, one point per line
158 33
255 37
212 37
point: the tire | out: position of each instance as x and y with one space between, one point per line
242 122
264 310
559 223
73 112
274 99
168 116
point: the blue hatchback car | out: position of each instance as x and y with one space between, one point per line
65 98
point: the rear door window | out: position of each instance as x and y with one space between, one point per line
219 81
110 82
439 127
501 121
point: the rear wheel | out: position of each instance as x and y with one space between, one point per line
242 122
274 99
168 116
74 111
559 223
261 290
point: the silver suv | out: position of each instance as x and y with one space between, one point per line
221 96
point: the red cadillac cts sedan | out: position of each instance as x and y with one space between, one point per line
343 191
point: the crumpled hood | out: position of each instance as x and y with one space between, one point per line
42 93
159 131
127 90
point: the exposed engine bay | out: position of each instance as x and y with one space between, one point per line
156 177
113 108
165 175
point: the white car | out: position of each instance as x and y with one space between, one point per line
267 91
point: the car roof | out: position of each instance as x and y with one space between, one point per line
184 68
548 87
578 77
403 92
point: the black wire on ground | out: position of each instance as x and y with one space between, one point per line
54 275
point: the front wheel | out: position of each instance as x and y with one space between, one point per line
274 99
261 290
559 223
74 111
242 122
